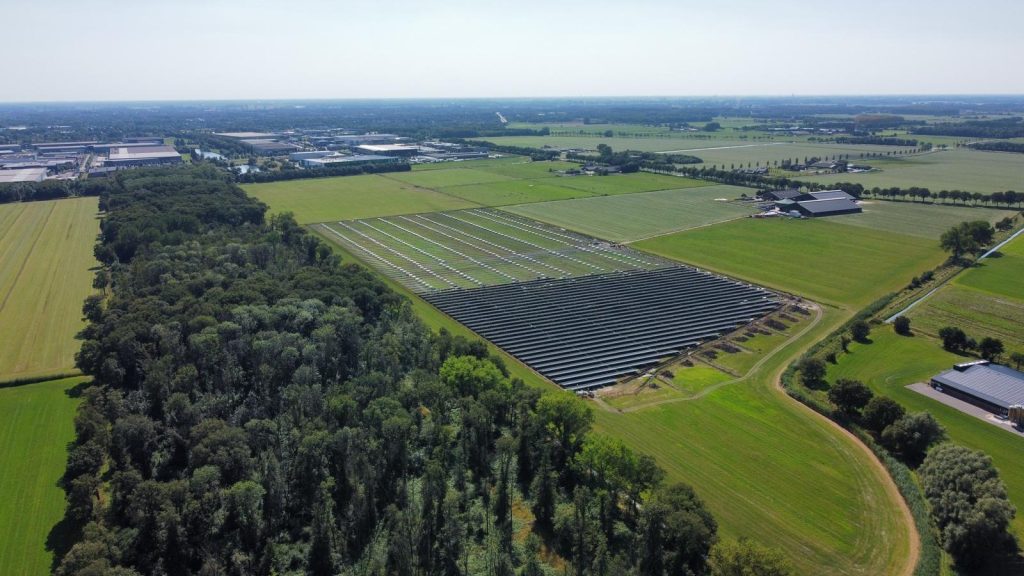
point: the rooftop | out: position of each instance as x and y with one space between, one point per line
831 195
993 383
22 175
142 152
246 134
828 205
389 147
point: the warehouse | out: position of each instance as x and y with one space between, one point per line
990 386
353 160
819 208
270 147
125 157
22 175
389 149
827 195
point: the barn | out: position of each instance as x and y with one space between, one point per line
990 386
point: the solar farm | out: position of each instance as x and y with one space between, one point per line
581 311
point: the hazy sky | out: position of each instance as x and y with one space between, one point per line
234 49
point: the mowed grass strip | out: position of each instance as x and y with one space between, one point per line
823 260
892 362
36 424
45 260
629 217
351 197
917 219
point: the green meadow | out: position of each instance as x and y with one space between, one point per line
36 424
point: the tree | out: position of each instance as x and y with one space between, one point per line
957 242
1017 358
990 348
953 339
812 372
910 436
880 413
744 557
860 330
678 532
849 396
568 420
968 502
901 325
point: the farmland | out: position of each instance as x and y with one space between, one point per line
36 423
891 362
631 217
917 219
45 261
960 169
987 300
833 263
450 186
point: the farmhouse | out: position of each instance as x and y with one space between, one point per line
990 386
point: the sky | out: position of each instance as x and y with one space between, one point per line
111 50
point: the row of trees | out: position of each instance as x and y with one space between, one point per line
259 408
954 339
1017 147
327 172
51 190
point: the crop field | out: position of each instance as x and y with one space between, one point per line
960 169
45 260
36 424
917 219
892 362
347 197
630 217
479 247
820 259
987 300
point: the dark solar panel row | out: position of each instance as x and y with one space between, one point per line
590 331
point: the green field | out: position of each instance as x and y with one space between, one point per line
770 470
348 197
628 183
892 362
36 424
917 219
453 177
45 260
987 300
959 169
820 259
516 191
629 217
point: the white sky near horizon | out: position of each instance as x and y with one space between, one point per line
59 50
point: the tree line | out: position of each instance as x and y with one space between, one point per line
258 407
51 190
252 177
998 146
1012 127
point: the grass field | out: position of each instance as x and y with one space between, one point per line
629 217
917 219
820 259
349 197
959 169
45 261
892 362
987 300
516 192
471 248
36 424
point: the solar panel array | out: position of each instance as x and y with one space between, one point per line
589 331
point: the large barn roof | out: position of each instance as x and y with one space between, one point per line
828 206
993 383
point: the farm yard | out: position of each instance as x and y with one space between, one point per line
36 424
986 300
890 363
478 247
45 260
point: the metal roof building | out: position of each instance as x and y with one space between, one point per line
352 160
831 195
22 175
990 386
142 156
831 207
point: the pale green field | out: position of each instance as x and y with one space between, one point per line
630 217
917 219
350 197
453 177
960 169
36 424
843 265
45 260
515 192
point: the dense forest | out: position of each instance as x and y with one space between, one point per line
258 407
998 146
1012 127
